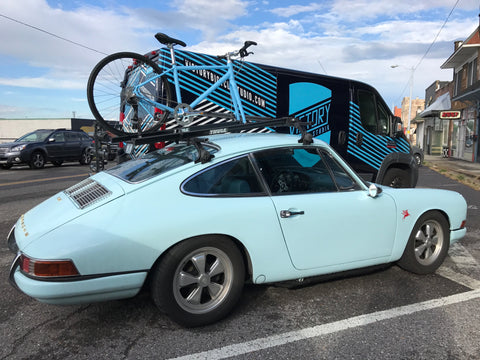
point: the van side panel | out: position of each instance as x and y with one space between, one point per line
328 104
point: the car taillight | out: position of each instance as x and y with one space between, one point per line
464 223
121 118
47 268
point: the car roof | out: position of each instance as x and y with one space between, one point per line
247 142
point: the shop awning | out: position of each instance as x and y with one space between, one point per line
461 56
441 104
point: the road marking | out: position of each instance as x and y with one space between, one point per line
41 180
465 263
330 328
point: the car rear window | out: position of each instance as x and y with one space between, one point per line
157 162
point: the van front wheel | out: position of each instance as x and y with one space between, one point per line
397 178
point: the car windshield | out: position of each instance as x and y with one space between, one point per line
36 136
157 162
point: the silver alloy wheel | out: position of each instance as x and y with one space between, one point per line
429 242
38 160
202 280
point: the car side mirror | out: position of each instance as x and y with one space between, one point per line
374 190
51 140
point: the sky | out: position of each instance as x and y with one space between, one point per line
49 47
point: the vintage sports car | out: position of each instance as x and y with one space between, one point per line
196 220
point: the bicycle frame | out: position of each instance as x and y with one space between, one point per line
175 71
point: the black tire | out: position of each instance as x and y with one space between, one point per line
418 159
428 244
110 93
397 178
6 166
86 157
37 160
57 163
213 274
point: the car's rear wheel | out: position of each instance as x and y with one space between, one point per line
428 244
37 160
6 166
199 280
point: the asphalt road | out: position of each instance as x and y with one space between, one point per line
387 314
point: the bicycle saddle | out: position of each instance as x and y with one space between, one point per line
167 40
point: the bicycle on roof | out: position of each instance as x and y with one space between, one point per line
133 89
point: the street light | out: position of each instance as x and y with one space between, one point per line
412 70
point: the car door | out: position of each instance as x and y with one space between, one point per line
73 148
55 145
327 218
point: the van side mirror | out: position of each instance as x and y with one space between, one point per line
397 127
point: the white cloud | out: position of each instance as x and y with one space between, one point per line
43 83
296 9
355 39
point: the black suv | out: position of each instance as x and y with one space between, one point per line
40 146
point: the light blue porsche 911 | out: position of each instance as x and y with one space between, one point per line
196 220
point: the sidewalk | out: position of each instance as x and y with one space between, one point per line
463 171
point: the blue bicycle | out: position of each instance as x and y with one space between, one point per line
132 89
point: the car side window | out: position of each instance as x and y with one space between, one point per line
342 179
72 136
232 178
295 170
59 137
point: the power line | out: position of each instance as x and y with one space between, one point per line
436 37
52 34
428 49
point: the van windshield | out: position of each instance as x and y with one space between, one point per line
157 162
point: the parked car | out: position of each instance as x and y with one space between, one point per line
47 145
196 220
418 155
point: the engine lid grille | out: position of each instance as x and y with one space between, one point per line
87 192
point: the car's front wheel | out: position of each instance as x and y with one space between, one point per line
199 280
37 161
86 157
428 244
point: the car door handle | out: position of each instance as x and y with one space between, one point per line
288 213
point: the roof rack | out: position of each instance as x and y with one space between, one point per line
185 133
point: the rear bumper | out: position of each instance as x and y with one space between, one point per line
62 292
456 235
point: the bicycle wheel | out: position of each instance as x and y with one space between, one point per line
117 101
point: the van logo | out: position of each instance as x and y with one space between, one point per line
311 103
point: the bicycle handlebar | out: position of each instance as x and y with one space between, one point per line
243 51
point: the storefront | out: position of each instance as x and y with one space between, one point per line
465 130
432 132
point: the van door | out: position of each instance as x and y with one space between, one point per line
370 141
